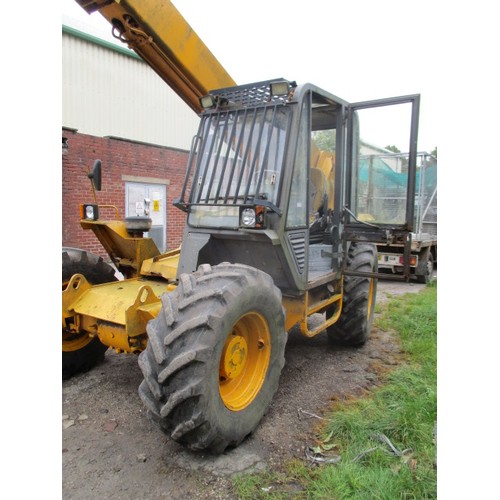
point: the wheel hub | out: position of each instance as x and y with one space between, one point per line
234 358
244 361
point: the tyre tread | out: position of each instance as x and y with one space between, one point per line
353 326
180 346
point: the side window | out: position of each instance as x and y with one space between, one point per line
297 207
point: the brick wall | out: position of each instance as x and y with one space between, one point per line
118 157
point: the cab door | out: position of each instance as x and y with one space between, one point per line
381 152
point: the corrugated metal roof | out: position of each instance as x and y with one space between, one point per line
99 41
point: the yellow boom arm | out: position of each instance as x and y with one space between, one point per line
161 36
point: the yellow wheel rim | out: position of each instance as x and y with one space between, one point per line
244 361
74 341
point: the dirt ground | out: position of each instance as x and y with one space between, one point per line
112 451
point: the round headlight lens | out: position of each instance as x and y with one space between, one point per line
89 212
248 217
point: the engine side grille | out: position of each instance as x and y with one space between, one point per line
297 242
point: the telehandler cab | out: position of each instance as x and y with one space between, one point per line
277 231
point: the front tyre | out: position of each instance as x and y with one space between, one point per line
214 356
358 304
80 352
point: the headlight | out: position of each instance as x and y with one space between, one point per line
253 217
89 212
248 217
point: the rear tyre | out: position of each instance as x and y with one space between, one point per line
214 356
80 352
355 322
425 269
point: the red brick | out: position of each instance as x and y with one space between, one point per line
119 157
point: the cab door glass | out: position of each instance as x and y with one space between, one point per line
381 146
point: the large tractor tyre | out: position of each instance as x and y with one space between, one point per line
214 356
80 352
355 322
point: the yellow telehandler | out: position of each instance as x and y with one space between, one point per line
277 231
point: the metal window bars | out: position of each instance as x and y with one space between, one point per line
236 158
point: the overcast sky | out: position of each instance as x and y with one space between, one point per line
356 50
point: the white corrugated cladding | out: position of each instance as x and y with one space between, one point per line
109 93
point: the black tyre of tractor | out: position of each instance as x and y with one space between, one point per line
355 322
214 356
80 353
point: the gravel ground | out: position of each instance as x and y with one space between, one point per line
110 450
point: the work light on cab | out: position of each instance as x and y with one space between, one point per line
208 101
280 88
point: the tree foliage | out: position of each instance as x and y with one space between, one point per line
325 140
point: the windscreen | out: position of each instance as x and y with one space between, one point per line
240 156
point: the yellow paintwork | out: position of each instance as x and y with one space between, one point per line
295 308
116 312
76 286
244 361
119 302
320 307
116 240
114 336
75 342
164 265
163 38
234 357
370 297
300 308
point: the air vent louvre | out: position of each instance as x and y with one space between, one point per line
298 244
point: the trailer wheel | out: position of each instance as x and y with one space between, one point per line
355 322
423 273
214 356
80 352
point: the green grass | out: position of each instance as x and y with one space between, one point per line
403 409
